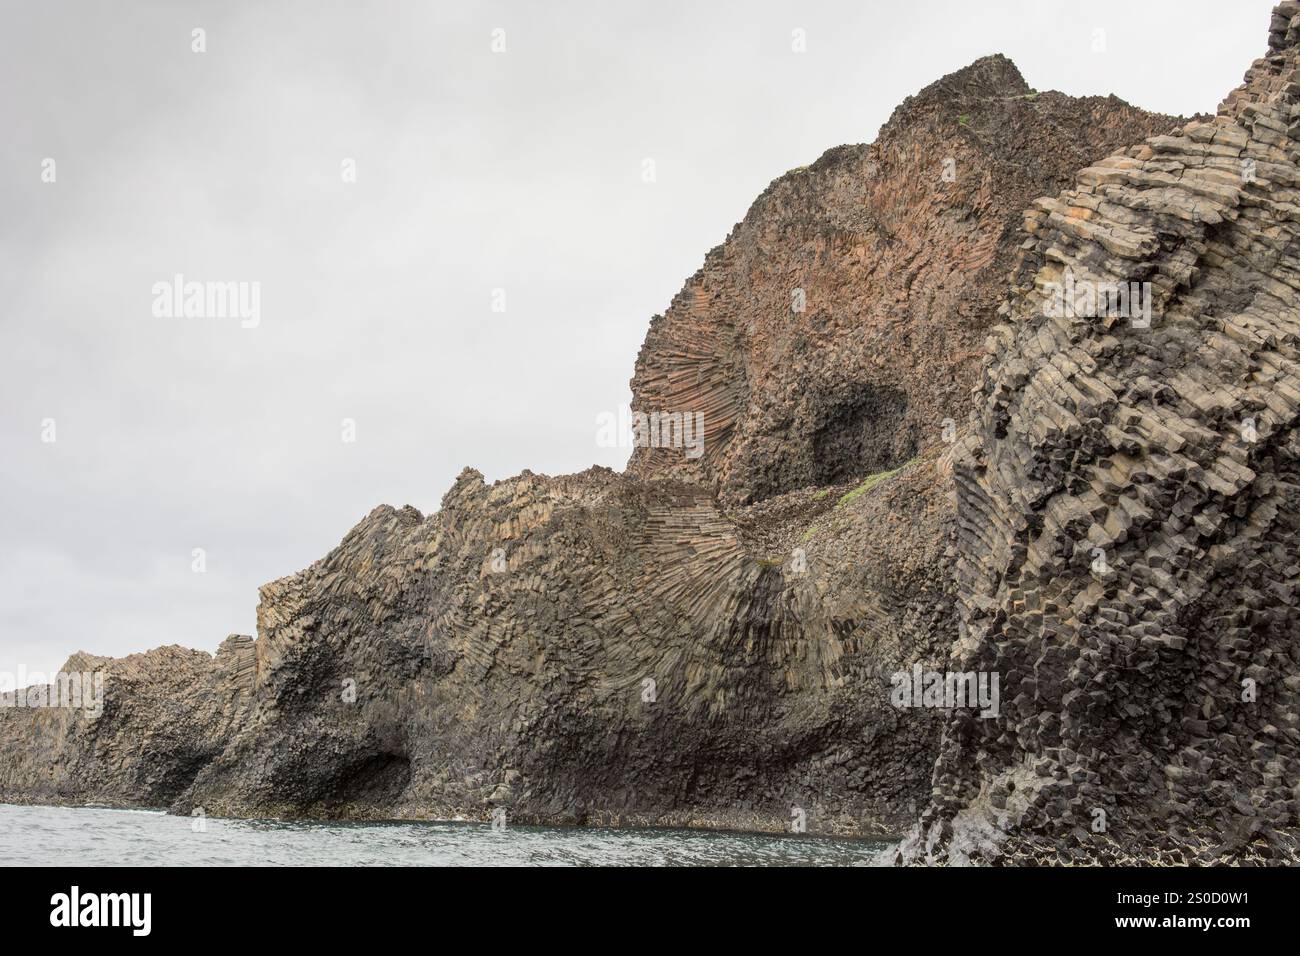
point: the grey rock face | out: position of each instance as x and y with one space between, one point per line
585 649
711 642
1129 506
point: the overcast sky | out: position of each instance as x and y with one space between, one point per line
476 171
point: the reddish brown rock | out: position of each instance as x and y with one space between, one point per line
900 252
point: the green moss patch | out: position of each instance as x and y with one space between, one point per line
867 485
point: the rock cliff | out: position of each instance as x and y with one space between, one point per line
1128 510
586 649
841 324
710 640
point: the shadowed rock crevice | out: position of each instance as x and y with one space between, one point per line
863 435
378 780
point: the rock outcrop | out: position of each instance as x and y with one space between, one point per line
586 649
709 640
840 326
1129 507
158 718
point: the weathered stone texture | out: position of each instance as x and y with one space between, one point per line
901 261
1129 507
499 652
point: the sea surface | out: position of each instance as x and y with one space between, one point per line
87 836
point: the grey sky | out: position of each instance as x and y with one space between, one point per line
475 171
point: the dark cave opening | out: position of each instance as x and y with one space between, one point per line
862 435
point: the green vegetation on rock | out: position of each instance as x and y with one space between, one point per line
867 485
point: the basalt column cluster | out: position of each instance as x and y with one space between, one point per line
1129 512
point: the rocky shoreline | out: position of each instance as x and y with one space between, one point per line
904 463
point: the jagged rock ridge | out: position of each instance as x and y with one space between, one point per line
585 649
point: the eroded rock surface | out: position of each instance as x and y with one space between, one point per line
160 718
586 649
709 641
1129 508
841 324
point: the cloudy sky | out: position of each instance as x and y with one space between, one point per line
475 171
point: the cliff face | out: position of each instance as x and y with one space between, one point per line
699 641
582 650
585 649
162 716
1129 506
841 324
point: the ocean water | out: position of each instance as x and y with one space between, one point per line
87 836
